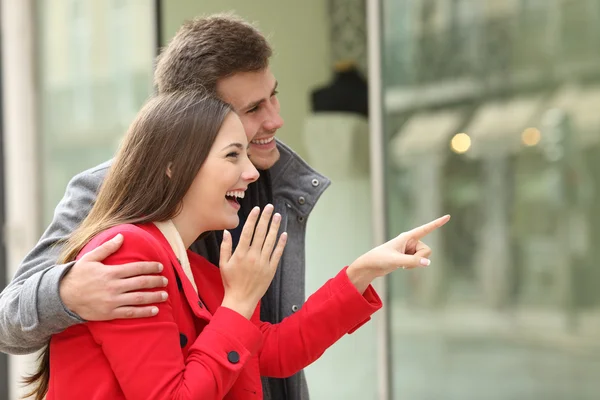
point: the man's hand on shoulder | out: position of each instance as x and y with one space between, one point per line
98 292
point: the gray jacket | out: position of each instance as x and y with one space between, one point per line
30 306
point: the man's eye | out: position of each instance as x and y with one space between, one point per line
252 110
275 93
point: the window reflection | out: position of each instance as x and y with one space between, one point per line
491 115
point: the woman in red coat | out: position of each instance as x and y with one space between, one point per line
178 174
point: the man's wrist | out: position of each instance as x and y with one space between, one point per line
63 296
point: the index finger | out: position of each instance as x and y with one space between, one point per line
424 230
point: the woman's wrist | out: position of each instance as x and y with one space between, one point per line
360 276
244 308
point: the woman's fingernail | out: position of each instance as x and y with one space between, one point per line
165 281
425 262
164 296
154 310
160 267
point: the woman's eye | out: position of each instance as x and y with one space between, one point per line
233 154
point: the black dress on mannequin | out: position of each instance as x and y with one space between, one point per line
348 92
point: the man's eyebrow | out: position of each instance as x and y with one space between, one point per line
256 103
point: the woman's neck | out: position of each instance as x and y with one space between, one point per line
187 228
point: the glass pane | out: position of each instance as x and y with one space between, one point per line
95 71
491 115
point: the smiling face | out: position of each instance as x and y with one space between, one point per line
211 201
253 96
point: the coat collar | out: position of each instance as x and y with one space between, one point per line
196 304
293 178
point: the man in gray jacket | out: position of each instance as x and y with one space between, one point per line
230 58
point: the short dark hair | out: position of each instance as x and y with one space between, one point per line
207 49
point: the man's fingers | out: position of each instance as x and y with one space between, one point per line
141 298
248 230
104 250
142 282
134 312
261 228
137 268
226 246
424 230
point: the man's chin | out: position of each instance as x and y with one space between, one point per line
264 161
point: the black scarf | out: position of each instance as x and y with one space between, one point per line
259 193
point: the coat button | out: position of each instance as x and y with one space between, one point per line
182 340
315 182
233 357
301 200
294 308
301 219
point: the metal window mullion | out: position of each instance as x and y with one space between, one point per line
377 169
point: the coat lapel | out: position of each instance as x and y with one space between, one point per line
189 292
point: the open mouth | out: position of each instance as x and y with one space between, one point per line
263 142
234 197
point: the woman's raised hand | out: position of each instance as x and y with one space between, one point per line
248 273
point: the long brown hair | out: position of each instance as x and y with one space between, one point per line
172 131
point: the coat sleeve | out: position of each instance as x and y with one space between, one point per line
145 354
334 310
31 309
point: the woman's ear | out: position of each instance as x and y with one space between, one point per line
169 170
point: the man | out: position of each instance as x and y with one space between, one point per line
226 56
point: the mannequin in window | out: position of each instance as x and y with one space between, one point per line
348 91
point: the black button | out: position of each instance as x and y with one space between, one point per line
233 357
200 304
300 219
182 340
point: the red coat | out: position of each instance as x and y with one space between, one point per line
194 348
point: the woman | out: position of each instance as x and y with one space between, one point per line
177 175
